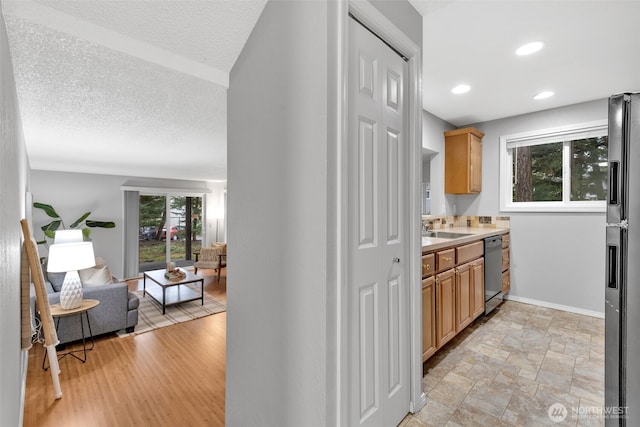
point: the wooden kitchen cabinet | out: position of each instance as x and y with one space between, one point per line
463 161
477 274
506 263
429 344
445 307
506 259
453 290
428 265
506 281
469 292
469 252
445 259
464 292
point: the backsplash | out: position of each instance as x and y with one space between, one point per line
441 222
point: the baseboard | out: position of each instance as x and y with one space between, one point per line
555 306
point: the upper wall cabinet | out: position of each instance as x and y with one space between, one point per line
463 161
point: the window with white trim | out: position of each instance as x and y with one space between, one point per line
555 170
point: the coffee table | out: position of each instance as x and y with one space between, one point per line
170 292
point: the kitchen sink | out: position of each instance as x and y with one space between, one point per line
444 234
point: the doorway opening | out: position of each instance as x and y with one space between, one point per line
171 229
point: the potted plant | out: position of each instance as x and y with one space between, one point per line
57 223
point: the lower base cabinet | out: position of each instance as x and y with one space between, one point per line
454 297
428 317
451 300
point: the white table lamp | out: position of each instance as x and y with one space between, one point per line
68 236
69 258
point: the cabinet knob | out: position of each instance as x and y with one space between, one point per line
396 260
447 259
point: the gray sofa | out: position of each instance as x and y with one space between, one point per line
118 309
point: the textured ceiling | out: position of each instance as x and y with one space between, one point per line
206 31
592 50
127 88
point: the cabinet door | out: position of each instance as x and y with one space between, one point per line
475 164
445 303
428 317
477 275
464 297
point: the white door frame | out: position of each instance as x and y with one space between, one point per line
337 204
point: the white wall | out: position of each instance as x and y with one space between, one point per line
13 185
215 205
73 194
433 129
277 216
556 258
280 366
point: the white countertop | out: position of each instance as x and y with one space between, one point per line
433 243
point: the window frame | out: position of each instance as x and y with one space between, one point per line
559 134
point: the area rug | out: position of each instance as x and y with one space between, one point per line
150 315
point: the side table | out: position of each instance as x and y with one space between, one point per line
58 312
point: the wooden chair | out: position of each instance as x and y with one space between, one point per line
222 263
214 256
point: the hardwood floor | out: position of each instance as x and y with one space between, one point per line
167 377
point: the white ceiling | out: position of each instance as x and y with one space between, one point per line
592 50
138 88
132 88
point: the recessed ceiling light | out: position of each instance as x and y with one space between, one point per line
543 95
461 89
529 48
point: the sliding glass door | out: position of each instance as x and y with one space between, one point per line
170 230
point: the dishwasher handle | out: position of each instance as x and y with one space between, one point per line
492 242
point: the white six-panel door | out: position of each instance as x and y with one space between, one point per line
378 286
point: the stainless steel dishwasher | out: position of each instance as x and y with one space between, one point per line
492 273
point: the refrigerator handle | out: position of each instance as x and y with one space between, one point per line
614 179
612 266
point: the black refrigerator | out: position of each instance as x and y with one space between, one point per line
622 283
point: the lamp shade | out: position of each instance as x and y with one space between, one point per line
74 256
68 236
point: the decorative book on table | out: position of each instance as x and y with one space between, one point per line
176 274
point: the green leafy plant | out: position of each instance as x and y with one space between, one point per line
57 224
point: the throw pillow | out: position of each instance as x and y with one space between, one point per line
56 280
95 276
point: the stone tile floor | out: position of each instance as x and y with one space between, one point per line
509 368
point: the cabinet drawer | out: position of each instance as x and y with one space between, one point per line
506 281
506 240
505 259
428 264
446 259
469 252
